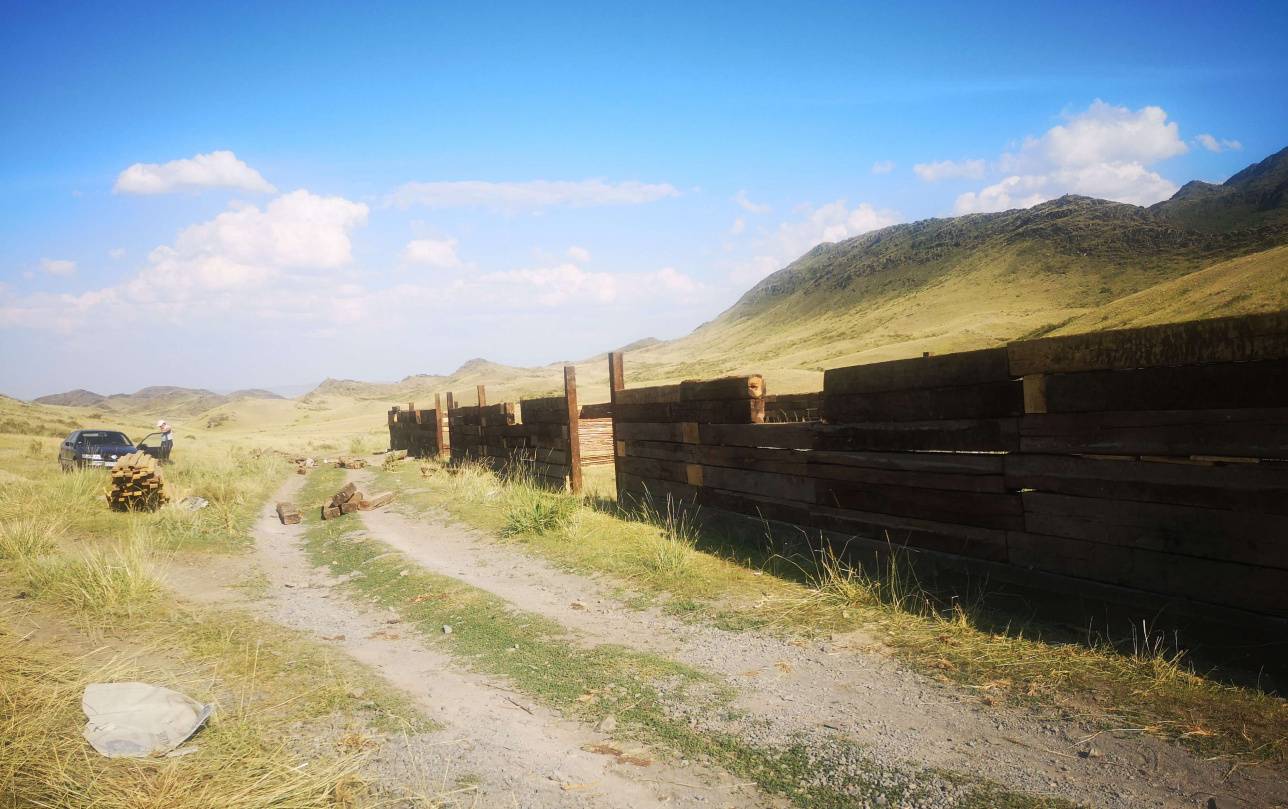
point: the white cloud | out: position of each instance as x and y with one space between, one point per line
737 227
832 222
440 253
741 200
950 170
1104 152
579 254
883 167
219 169
116 253
58 266
529 195
568 284
1213 144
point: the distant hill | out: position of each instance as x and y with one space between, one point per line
72 398
159 400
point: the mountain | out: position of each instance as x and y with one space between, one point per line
1255 197
159 400
72 398
981 279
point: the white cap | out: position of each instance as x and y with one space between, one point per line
161 424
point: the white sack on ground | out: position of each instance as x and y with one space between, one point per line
136 720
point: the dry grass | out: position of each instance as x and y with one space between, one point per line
46 763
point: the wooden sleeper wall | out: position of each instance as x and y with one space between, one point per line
1154 459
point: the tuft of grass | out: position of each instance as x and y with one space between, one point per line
108 581
532 513
22 541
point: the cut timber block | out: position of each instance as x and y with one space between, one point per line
288 513
349 507
344 495
330 512
376 501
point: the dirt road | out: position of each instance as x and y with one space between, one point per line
501 749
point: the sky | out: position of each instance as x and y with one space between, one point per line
269 194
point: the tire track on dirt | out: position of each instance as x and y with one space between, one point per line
794 690
521 753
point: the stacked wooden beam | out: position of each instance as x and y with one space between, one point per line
350 463
349 500
136 484
475 433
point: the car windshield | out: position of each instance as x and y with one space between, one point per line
103 438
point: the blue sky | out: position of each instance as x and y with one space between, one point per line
268 194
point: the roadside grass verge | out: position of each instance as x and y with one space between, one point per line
237 764
86 579
743 582
653 700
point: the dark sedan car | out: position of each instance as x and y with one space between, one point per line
103 447
93 448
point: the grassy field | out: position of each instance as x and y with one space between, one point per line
707 575
85 600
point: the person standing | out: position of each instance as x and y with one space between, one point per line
167 438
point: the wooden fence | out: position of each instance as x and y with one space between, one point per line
1152 459
541 435
422 433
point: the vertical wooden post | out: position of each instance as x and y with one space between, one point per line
616 382
438 425
411 406
482 396
574 429
451 405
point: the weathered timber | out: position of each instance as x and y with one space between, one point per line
988 400
1254 539
1190 387
1245 433
943 371
952 435
1211 581
551 409
914 532
288 513
729 387
732 411
376 501
1256 487
1242 338
984 509
330 512
600 410
572 415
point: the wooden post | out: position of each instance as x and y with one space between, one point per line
438 424
616 382
411 406
574 429
482 396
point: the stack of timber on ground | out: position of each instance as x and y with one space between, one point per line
421 433
136 484
349 500
350 463
288 513
595 430
1152 459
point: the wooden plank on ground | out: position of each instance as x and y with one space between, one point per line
1242 338
938 371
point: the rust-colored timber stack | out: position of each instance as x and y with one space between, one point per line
349 500
137 484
